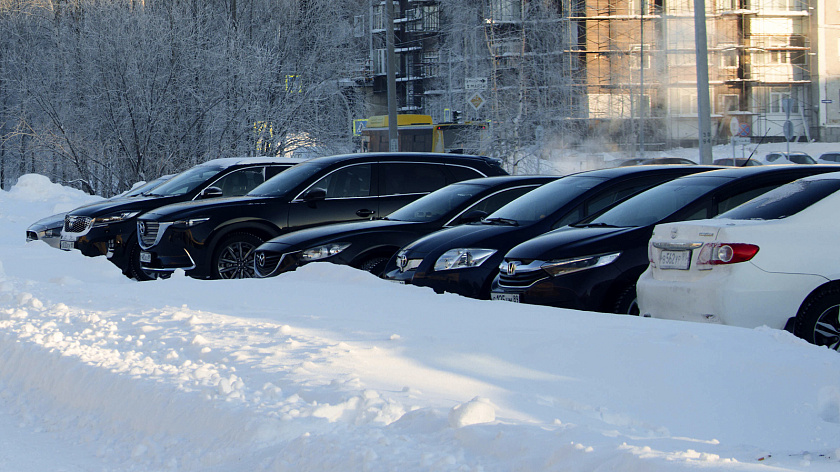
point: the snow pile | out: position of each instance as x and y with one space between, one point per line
329 368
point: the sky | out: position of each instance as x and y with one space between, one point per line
332 369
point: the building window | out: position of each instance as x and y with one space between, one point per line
727 103
729 57
682 101
503 11
777 98
640 54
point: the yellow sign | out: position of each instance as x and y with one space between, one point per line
476 101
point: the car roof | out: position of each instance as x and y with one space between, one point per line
244 160
613 172
503 179
407 156
742 172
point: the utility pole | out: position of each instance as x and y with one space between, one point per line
393 137
704 109
642 81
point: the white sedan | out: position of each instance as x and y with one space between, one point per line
773 261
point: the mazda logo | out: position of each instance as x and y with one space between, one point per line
260 258
141 228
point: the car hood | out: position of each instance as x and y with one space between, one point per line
470 235
307 237
108 207
203 207
579 241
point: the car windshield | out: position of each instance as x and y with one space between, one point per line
544 201
436 204
287 180
784 201
186 181
655 204
146 187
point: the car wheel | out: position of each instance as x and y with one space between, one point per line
136 270
818 321
234 258
374 265
627 303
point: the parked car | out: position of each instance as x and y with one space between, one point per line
464 259
49 229
657 161
109 228
736 162
829 158
770 262
368 245
216 239
594 265
788 158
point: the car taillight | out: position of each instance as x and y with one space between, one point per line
726 253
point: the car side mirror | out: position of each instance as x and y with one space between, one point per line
472 217
315 194
211 192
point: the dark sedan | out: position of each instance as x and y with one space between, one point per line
368 245
594 265
464 259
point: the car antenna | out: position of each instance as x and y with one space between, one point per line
756 148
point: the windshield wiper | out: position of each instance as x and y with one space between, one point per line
503 221
595 225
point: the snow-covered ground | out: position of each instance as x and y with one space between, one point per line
332 369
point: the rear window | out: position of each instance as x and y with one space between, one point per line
784 201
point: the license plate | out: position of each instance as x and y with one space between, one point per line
145 257
67 245
508 297
679 260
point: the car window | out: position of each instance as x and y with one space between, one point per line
187 181
347 182
544 201
657 203
400 178
436 204
493 202
459 173
735 200
240 182
288 180
785 200
615 194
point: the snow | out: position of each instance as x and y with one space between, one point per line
331 369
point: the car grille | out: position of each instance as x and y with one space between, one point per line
77 224
266 262
522 279
148 232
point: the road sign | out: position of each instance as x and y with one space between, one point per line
476 101
359 126
740 140
475 83
788 130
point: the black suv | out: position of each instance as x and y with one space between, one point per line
216 239
108 228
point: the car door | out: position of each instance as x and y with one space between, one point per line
344 194
403 182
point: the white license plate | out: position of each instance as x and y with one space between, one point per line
145 257
508 297
679 260
67 245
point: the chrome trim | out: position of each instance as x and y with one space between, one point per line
675 246
298 198
172 269
162 226
448 223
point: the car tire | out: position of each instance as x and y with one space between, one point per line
626 303
135 270
818 320
234 256
374 265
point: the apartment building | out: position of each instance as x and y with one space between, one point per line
629 66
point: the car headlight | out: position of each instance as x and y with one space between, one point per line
462 258
323 252
189 223
574 264
116 218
